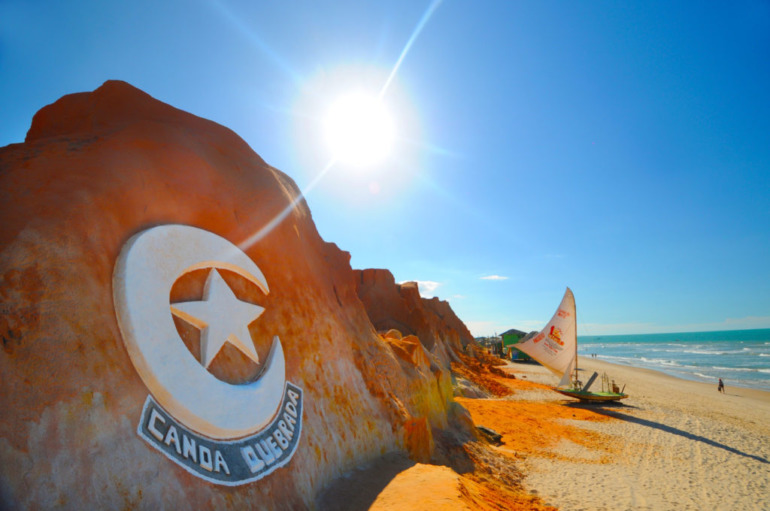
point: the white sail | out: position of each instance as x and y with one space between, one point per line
556 345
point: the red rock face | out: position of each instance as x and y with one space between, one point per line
97 168
400 306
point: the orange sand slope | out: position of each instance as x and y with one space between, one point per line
529 427
438 488
491 478
673 444
532 428
394 483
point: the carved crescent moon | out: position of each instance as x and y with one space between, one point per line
148 265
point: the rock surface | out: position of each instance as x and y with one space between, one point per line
400 307
99 167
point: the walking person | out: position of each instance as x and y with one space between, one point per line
721 386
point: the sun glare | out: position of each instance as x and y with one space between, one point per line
359 130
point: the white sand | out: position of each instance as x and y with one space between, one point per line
680 445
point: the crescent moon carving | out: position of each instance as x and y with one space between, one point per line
148 265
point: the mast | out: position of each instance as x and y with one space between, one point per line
576 339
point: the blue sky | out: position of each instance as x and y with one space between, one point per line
620 149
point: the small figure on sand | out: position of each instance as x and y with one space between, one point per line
721 386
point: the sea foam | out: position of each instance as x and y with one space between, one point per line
741 356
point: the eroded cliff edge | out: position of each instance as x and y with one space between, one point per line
400 307
98 168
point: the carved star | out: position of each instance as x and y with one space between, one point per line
221 317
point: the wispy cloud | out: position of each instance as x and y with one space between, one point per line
427 288
494 277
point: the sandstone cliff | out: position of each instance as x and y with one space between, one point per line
97 168
400 306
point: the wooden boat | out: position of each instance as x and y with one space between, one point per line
555 347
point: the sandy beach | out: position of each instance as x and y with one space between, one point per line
673 444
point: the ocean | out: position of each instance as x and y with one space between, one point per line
740 357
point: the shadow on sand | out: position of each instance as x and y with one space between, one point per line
358 489
611 410
598 405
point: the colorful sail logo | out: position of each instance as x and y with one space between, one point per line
555 335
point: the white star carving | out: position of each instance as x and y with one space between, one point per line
221 317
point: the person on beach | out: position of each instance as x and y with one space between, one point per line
721 386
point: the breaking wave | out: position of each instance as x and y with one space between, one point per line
742 356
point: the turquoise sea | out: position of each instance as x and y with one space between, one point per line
740 357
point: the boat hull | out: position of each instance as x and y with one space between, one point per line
592 396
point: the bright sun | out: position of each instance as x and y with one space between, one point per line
359 130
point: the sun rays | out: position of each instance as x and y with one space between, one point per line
359 129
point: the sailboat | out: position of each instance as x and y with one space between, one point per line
555 347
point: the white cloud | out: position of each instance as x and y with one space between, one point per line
494 277
426 287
